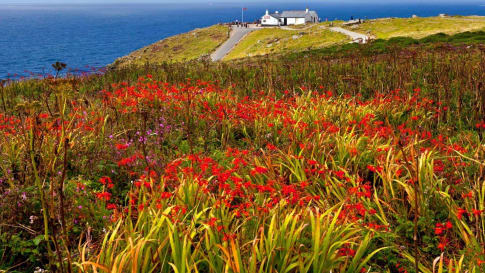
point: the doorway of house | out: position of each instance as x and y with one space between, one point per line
286 21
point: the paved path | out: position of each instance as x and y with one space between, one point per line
356 37
237 34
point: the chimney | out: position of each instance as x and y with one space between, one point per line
307 10
267 12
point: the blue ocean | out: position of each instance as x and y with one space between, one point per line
90 36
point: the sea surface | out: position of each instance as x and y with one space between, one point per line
90 36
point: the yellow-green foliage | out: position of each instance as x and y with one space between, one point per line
275 40
184 47
419 27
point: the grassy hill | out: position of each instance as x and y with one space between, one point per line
419 27
184 47
200 43
273 40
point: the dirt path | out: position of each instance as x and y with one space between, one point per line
356 37
237 34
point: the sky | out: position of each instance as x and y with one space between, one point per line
223 1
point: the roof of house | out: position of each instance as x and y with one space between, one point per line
294 14
297 13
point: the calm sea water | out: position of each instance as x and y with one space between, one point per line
32 37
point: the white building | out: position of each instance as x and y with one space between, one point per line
290 17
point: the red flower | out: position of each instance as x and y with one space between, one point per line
468 195
259 170
126 161
43 115
460 212
165 195
442 246
375 169
270 147
228 237
106 196
122 146
477 212
105 180
340 174
346 251
438 230
312 162
212 221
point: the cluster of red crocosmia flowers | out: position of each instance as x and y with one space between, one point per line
8 124
305 149
276 116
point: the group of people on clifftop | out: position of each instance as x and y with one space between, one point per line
238 24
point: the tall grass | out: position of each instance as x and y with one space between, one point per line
308 164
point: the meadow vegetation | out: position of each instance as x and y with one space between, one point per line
275 40
353 158
192 45
419 27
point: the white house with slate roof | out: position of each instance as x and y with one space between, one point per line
290 17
